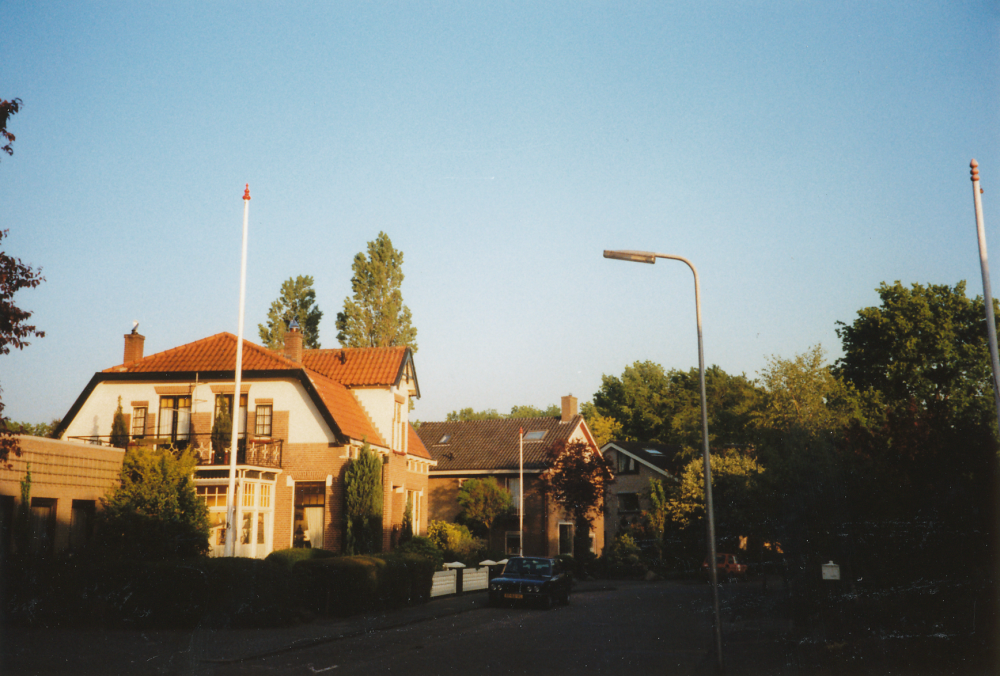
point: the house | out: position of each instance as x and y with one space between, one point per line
302 416
634 463
68 480
478 449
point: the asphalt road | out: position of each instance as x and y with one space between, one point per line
636 629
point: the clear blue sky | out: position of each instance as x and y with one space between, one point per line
799 153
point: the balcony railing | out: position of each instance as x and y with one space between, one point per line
256 452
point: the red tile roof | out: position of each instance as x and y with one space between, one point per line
345 409
218 353
356 367
415 447
215 353
492 444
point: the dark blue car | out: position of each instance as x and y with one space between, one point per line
527 579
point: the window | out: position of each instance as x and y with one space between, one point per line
175 418
415 500
512 543
243 410
626 464
628 502
445 439
81 526
535 435
138 422
43 526
310 501
263 418
514 486
566 538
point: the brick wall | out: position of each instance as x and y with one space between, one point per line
309 462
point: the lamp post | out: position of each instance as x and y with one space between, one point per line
649 257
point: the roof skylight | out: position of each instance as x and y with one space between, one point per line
534 435
653 451
445 439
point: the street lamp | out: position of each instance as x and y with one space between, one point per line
649 257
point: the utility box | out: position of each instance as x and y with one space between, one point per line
831 571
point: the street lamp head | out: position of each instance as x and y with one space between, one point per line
634 256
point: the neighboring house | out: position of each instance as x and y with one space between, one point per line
302 416
68 480
478 449
634 464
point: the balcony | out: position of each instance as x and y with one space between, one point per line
253 452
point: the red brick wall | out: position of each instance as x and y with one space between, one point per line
309 462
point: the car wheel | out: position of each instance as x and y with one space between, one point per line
547 602
565 599
493 601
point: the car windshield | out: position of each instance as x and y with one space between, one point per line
539 567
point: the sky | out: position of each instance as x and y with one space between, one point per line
798 153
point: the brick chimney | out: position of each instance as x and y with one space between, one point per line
133 347
568 407
293 344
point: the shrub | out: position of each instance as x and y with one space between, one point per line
289 557
422 546
341 585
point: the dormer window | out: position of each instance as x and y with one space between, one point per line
535 435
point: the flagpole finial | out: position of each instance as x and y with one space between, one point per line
975 170
246 193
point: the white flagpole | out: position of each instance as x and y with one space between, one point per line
520 497
231 501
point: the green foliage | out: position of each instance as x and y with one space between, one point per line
456 542
466 414
577 478
350 584
363 503
287 558
406 533
297 300
665 407
14 276
33 430
376 316
737 490
8 108
526 411
222 426
482 502
603 428
154 513
421 545
22 520
119 431
658 513
205 592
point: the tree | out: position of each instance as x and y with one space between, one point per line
363 503
658 512
8 108
603 428
526 411
553 411
119 431
222 427
296 300
931 451
664 407
155 513
468 414
14 329
376 316
482 502
577 477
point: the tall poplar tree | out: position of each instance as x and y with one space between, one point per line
363 503
375 316
296 301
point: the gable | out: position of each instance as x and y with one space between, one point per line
477 445
365 366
